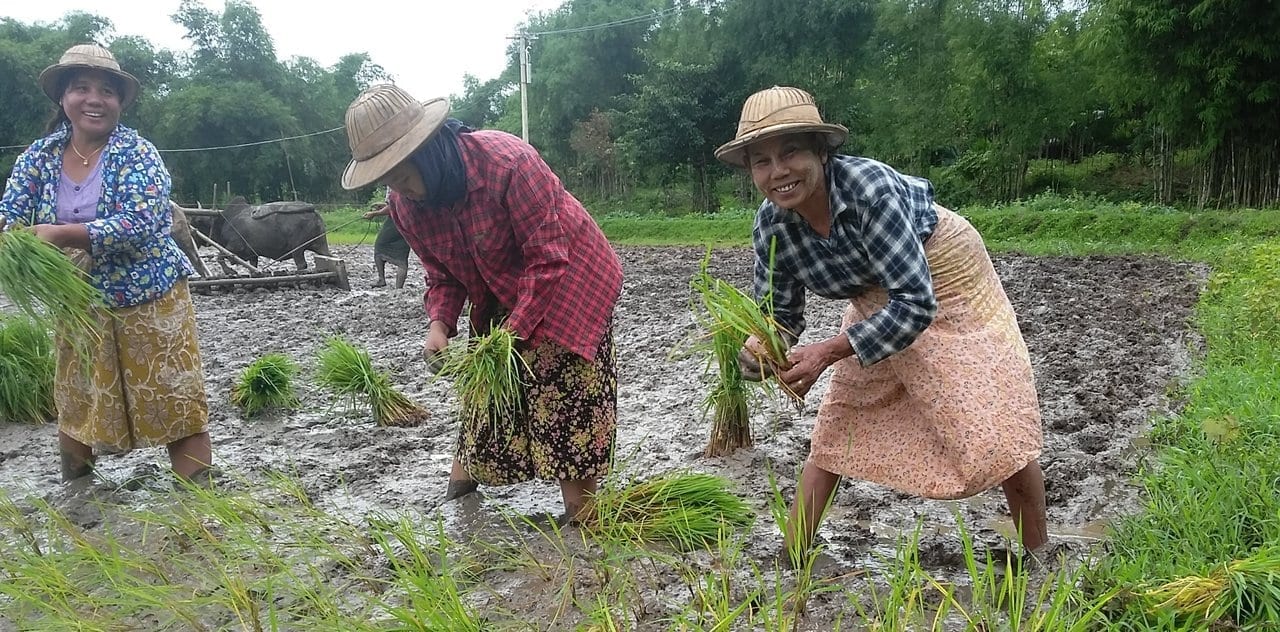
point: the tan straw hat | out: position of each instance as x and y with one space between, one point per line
774 112
87 56
385 126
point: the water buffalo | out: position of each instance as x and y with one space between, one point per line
277 230
181 232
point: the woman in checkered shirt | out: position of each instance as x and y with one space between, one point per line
932 392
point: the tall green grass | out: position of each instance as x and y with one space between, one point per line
26 370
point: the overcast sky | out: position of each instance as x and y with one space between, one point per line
426 45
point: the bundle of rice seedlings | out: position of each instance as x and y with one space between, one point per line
26 370
45 285
488 379
1245 590
348 371
267 383
727 400
688 510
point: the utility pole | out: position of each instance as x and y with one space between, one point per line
525 72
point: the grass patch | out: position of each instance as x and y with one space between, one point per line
26 370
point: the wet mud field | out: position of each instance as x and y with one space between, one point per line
1109 337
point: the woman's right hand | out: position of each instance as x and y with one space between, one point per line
754 361
433 348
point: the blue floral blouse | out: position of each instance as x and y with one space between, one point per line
135 259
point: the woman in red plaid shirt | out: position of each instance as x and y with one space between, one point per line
494 226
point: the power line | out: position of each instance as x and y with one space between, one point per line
191 149
647 17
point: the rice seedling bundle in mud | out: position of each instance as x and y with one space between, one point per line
348 371
730 317
267 383
688 510
26 370
1236 594
45 285
488 378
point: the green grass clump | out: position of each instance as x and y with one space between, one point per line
26 370
347 370
267 383
689 510
44 284
488 378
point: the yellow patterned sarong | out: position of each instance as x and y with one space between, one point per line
143 385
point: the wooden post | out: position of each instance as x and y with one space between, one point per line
338 268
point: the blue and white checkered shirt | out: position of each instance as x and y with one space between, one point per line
880 221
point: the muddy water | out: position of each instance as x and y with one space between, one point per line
1108 337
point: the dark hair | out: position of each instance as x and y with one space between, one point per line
59 116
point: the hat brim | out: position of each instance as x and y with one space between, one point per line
361 173
734 152
50 76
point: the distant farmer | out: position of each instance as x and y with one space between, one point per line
494 226
101 192
389 247
932 392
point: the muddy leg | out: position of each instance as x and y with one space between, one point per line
402 271
192 454
1025 493
813 495
576 495
460 482
77 458
380 266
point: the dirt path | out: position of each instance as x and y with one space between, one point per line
1107 336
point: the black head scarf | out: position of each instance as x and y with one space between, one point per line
439 162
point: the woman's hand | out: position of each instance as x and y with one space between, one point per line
433 348
750 358
809 361
63 235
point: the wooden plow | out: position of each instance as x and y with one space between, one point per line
328 270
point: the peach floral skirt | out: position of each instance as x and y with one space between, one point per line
143 386
955 413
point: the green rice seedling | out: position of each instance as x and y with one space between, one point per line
727 400
689 510
267 383
730 316
26 370
44 284
348 371
488 378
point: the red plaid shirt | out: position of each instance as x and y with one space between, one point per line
517 241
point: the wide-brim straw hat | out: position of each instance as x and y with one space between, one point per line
91 57
774 112
385 126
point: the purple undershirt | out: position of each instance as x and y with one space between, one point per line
78 201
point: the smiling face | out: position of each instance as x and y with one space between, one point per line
405 180
91 102
788 170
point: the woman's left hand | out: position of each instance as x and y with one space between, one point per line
47 232
809 361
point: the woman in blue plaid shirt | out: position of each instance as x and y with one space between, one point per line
932 392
